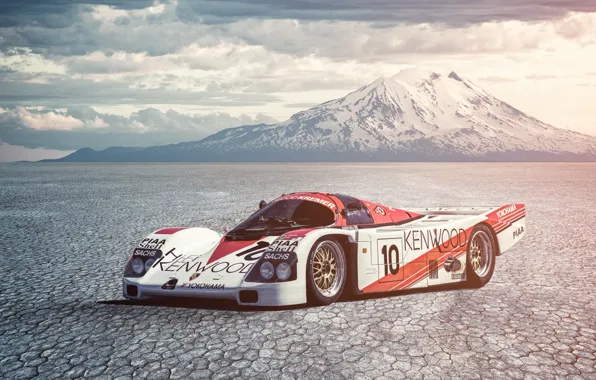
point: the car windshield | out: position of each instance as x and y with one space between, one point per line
278 217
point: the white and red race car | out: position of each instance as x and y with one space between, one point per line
312 247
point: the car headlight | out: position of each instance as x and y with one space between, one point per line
267 270
283 271
148 264
137 265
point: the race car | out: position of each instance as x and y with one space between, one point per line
310 247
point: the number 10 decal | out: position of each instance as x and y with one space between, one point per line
391 259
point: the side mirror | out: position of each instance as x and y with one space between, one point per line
262 204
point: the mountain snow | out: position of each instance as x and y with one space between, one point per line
414 111
416 115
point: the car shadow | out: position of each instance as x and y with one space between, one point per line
211 304
197 303
434 289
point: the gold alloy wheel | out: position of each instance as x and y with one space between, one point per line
481 253
328 268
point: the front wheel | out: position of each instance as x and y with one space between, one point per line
481 257
325 272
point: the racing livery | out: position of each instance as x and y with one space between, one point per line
312 247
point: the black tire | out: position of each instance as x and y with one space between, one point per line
484 240
315 295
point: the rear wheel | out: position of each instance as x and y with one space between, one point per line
326 272
481 257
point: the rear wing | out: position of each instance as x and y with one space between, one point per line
455 210
496 215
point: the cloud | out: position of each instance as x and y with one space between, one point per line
11 153
82 126
58 14
387 11
367 43
256 56
541 76
247 62
300 105
85 29
328 29
47 121
57 91
106 63
496 79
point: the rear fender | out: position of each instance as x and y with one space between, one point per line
508 224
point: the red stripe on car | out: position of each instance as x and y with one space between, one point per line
226 247
412 272
170 230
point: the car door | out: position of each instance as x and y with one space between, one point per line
390 258
399 259
403 259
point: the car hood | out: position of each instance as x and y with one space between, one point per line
221 266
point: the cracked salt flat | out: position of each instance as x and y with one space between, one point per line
66 231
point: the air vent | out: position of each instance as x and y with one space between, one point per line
132 290
249 296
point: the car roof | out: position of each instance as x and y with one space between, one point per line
324 199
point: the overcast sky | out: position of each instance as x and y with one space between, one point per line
138 73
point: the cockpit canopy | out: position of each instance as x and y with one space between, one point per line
287 213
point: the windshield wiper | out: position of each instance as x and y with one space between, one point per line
271 223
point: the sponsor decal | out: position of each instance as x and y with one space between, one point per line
390 259
168 255
254 253
149 243
284 245
517 233
171 262
416 240
193 263
458 276
189 285
225 248
308 198
276 256
506 211
146 252
433 270
379 210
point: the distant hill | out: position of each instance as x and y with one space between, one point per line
416 115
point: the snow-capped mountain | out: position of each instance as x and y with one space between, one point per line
414 115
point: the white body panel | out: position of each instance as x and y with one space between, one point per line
387 258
